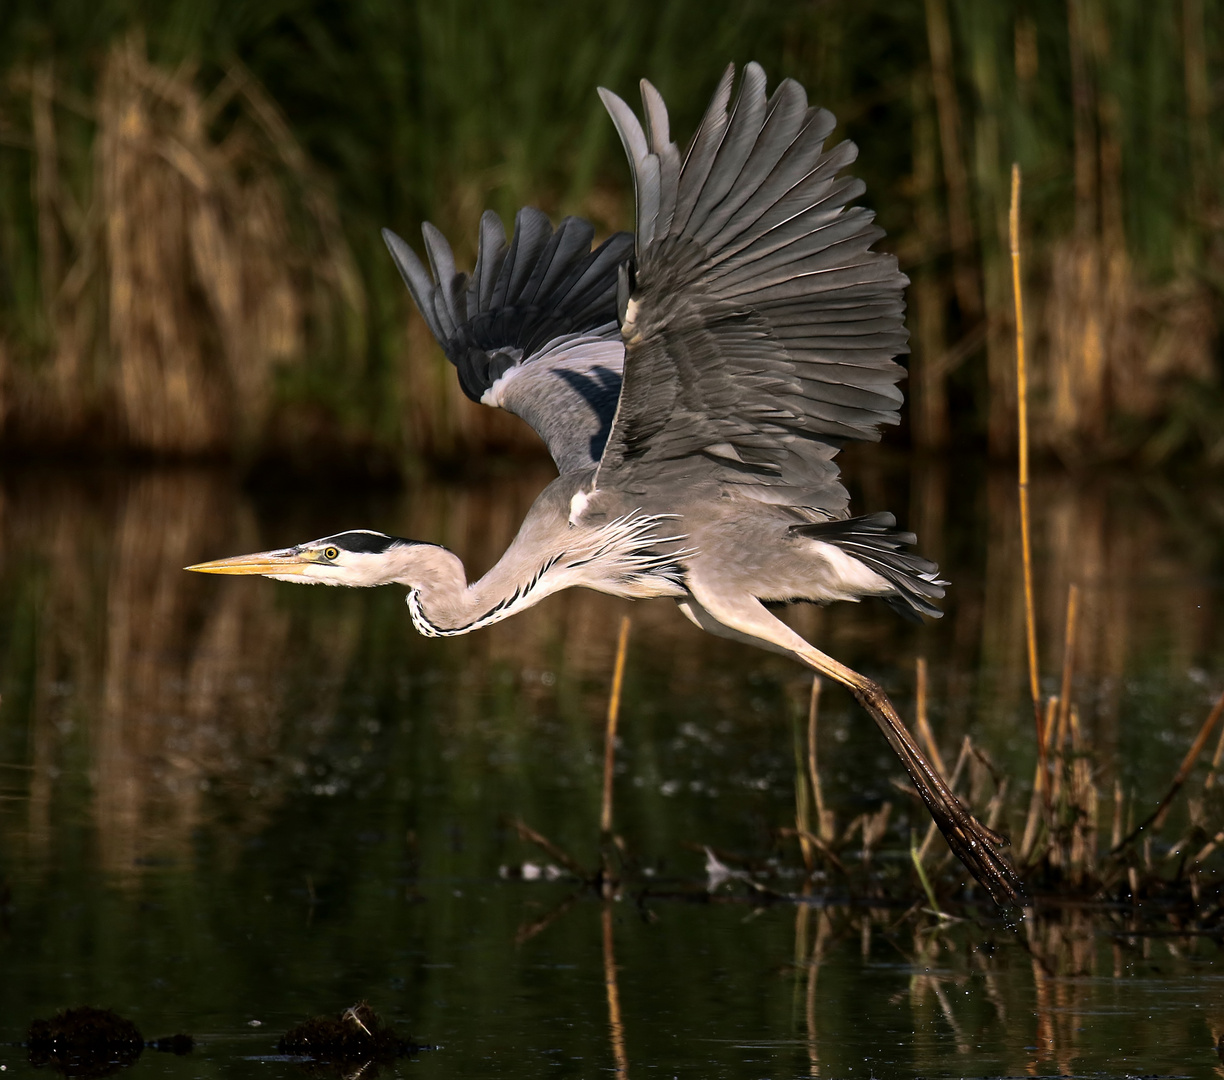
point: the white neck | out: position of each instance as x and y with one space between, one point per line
440 600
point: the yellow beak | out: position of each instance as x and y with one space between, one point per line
283 561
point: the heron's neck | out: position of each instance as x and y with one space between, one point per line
443 604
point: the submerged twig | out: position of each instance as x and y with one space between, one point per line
571 864
817 844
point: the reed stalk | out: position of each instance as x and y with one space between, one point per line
1083 800
921 722
1039 813
826 825
916 859
821 838
1068 668
1030 620
614 700
803 801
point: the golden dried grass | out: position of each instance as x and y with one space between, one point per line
1116 347
207 257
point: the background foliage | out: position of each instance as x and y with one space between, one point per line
190 197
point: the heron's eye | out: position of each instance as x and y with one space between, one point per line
331 553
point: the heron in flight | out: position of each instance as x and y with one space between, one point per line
693 382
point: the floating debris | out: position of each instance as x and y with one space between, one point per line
84 1042
173 1044
358 1034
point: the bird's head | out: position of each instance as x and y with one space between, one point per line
359 558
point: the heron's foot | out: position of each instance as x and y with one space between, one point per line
974 845
972 842
977 847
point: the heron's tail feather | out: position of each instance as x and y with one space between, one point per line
875 541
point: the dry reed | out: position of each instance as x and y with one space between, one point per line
606 879
803 800
614 699
1061 855
1030 621
809 794
809 797
207 258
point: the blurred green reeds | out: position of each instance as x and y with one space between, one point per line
190 197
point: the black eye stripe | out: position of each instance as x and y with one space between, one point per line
362 542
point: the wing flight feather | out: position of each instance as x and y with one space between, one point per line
533 329
760 328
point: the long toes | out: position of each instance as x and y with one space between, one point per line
974 845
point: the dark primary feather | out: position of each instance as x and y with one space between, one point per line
761 327
544 306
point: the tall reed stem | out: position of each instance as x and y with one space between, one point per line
824 818
618 677
1030 622
1068 671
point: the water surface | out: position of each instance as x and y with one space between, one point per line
231 804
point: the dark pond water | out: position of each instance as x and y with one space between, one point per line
227 805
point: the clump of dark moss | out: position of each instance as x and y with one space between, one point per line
358 1034
84 1042
173 1044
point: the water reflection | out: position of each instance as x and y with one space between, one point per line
144 686
237 800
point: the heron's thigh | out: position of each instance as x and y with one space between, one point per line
744 618
700 616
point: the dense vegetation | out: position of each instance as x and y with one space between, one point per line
190 197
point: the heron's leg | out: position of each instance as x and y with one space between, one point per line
744 618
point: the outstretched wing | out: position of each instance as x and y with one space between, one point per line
760 327
533 330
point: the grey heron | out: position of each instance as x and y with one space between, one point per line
693 382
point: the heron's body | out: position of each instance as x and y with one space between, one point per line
693 382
